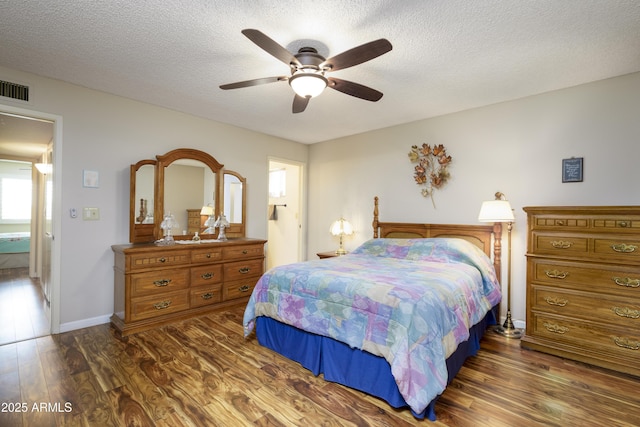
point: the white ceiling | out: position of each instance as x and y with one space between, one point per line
448 55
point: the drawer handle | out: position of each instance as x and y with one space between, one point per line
208 255
244 270
244 252
161 283
244 288
163 259
626 343
561 244
624 248
207 276
208 295
627 282
556 274
626 312
623 224
556 329
560 302
560 222
162 305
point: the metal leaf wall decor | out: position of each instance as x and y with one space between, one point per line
431 170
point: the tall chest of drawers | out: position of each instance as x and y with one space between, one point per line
195 221
583 284
157 285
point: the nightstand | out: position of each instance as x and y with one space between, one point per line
329 254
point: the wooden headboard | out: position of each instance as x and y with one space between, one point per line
480 235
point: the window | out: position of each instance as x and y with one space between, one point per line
16 200
277 183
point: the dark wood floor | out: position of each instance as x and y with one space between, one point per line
201 372
22 314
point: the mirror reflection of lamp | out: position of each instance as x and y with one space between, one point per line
210 222
222 223
341 228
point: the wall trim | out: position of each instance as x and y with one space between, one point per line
84 323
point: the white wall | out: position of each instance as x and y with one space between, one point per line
515 147
107 133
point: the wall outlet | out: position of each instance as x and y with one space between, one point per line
90 214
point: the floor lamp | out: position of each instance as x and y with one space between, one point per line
499 210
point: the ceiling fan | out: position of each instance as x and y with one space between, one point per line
308 69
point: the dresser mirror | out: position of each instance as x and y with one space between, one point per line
141 201
234 202
180 181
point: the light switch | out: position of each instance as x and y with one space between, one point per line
90 214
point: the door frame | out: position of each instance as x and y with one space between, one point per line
56 217
302 202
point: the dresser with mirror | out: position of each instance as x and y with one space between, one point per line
185 267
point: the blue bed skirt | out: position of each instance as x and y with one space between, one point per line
352 367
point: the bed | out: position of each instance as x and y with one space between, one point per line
366 319
14 249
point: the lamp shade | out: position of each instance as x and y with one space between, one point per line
206 210
496 211
308 85
341 227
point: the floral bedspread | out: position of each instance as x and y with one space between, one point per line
411 301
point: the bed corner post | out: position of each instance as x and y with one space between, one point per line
497 249
375 217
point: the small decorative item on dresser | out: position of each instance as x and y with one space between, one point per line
341 228
167 226
221 223
499 210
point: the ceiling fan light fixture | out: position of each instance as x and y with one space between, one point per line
308 85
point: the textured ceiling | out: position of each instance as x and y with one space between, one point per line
448 55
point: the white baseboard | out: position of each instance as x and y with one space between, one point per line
520 324
84 323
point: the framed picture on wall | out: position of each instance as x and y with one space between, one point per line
572 169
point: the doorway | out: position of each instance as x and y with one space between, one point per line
285 213
26 140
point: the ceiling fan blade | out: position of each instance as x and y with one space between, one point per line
358 55
354 89
270 46
299 104
254 82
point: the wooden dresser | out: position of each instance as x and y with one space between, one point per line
583 284
156 285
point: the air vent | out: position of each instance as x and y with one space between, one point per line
14 91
